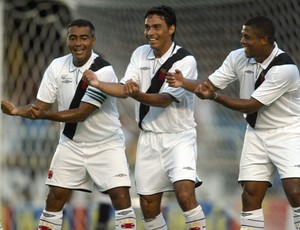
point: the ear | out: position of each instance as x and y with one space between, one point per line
172 30
265 40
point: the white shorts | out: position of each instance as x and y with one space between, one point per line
80 166
266 150
164 158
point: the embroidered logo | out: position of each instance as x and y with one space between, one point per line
121 175
66 79
144 68
50 174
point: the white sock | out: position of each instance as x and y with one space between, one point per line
125 219
51 220
195 218
296 216
252 220
1 228
157 223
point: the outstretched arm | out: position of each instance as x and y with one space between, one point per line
9 108
131 89
206 91
112 89
176 80
72 115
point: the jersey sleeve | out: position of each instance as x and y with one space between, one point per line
226 73
188 67
48 88
279 80
93 95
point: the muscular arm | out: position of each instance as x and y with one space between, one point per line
176 80
162 100
10 109
206 91
112 89
72 115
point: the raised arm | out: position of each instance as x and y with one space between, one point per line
72 115
113 89
162 100
176 80
9 108
207 91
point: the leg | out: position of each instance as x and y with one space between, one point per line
185 194
252 198
253 194
124 215
52 216
291 188
192 211
153 218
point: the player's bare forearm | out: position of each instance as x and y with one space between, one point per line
242 105
10 109
157 100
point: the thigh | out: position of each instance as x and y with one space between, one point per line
107 165
284 150
181 158
255 164
68 169
150 174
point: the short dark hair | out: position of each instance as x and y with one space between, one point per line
84 23
264 27
166 12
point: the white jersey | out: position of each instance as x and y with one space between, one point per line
280 92
60 82
179 115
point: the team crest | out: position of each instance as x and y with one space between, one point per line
162 74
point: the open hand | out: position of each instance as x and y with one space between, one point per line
90 78
175 79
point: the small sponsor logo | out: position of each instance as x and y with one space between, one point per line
121 175
144 68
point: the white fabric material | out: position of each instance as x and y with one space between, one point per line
266 150
81 165
280 92
179 115
252 220
52 220
195 219
163 159
157 223
60 82
125 219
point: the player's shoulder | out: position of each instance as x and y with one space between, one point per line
62 60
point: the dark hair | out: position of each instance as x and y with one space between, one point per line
263 26
84 23
166 12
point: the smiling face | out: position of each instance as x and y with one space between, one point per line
158 34
80 42
255 46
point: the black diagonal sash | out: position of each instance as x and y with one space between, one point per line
281 59
70 127
159 78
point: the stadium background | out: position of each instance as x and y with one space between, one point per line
33 33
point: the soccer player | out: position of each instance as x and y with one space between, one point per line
270 99
91 148
166 151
